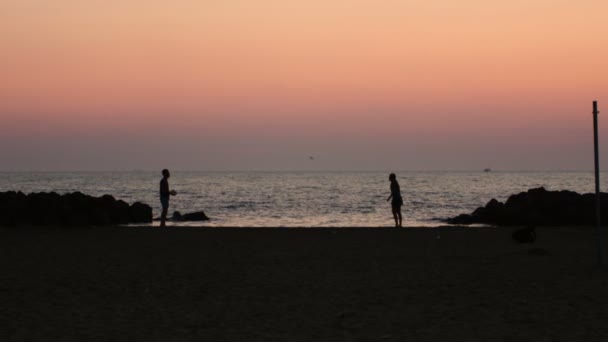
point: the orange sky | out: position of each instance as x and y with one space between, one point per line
368 84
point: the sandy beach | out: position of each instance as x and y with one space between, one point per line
300 285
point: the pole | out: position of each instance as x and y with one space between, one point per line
598 235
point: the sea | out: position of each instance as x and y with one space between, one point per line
306 199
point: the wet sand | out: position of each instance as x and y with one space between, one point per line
266 284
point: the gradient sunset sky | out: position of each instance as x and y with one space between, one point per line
264 84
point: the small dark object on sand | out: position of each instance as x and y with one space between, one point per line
538 251
525 235
195 216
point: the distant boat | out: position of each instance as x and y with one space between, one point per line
487 170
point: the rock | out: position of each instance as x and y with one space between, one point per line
195 216
177 216
140 213
120 211
462 219
538 207
73 209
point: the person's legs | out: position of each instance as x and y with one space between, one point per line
163 216
399 214
395 211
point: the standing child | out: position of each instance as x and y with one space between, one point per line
165 193
397 199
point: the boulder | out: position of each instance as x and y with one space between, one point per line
73 209
538 207
462 219
177 216
140 213
195 216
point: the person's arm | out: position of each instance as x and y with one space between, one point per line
170 192
389 197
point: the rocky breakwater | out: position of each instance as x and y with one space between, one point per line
538 207
73 209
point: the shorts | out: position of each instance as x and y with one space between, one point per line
164 202
397 202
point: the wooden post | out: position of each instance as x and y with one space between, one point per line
598 232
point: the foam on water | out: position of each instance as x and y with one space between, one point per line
306 199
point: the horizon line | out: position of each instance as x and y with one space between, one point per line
300 171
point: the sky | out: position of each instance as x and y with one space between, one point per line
264 85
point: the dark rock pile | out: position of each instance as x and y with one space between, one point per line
538 207
73 209
196 216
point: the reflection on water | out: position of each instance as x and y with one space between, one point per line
306 199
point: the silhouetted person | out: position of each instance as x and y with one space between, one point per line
397 199
165 194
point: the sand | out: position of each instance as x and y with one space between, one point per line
211 284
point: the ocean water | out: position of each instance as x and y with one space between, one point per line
306 199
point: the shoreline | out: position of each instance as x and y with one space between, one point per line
308 199
446 226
